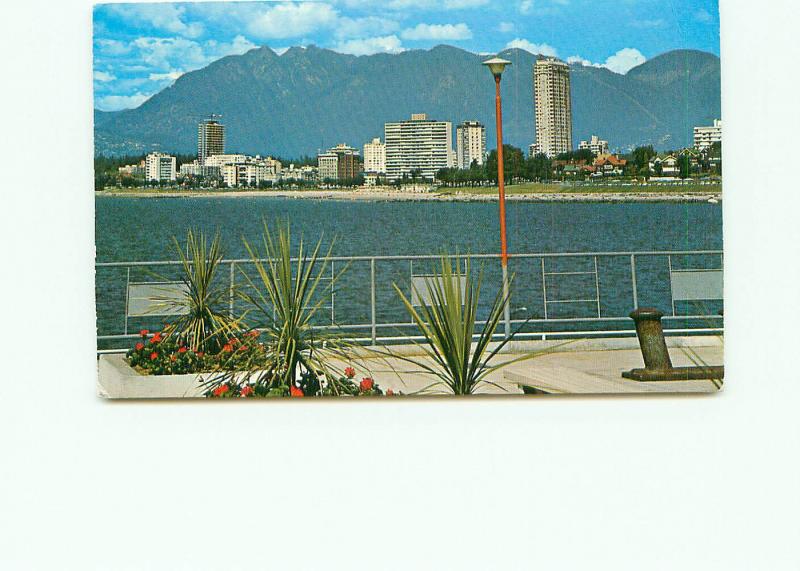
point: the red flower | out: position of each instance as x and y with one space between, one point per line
153 356
144 332
366 384
254 333
247 391
173 357
139 346
182 349
242 347
349 372
199 353
389 392
296 392
155 338
227 348
220 390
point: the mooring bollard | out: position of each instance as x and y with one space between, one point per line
657 364
651 338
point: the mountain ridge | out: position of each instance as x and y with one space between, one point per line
307 99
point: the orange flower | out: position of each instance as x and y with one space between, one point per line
153 356
139 346
155 338
227 348
220 390
144 332
389 392
349 372
247 391
366 384
296 392
199 353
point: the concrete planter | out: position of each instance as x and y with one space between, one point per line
118 380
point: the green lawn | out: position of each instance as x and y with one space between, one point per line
542 188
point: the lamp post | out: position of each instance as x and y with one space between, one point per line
496 65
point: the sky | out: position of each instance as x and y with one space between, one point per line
139 49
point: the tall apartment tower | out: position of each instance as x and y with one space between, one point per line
375 157
470 144
210 139
553 101
421 145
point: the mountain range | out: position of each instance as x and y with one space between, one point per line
309 98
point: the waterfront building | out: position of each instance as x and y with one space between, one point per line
596 145
195 169
136 171
553 106
339 163
470 144
665 166
534 149
418 147
251 172
609 165
305 173
704 137
375 157
159 167
210 139
222 160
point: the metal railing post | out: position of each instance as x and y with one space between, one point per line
633 282
230 292
372 301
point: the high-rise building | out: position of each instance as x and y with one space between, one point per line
210 139
470 144
375 157
596 145
159 166
704 137
420 146
553 102
339 163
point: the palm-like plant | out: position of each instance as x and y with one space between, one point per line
287 294
457 358
202 320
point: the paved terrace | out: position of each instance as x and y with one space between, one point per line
581 367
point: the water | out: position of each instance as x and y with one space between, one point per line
138 229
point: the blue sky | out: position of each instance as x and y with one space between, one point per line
139 49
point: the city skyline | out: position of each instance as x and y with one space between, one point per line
140 49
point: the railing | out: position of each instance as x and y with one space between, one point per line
553 295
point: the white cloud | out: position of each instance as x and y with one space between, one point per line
368 46
621 62
505 27
112 47
161 16
525 6
170 75
117 102
104 76
292 20
437 32
419 4
625 60
703 15
364 27
543 49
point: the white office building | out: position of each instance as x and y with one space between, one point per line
419 146
470 144
159 167
704 137
596 145
375 157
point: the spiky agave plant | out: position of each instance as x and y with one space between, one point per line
202 321
287 294
458 358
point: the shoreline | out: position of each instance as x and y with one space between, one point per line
672 196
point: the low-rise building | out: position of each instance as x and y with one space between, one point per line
136 171
609 165
159 167
339 163
596 145
665 166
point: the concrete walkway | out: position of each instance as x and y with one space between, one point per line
585 367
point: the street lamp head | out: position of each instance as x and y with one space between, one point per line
496 65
